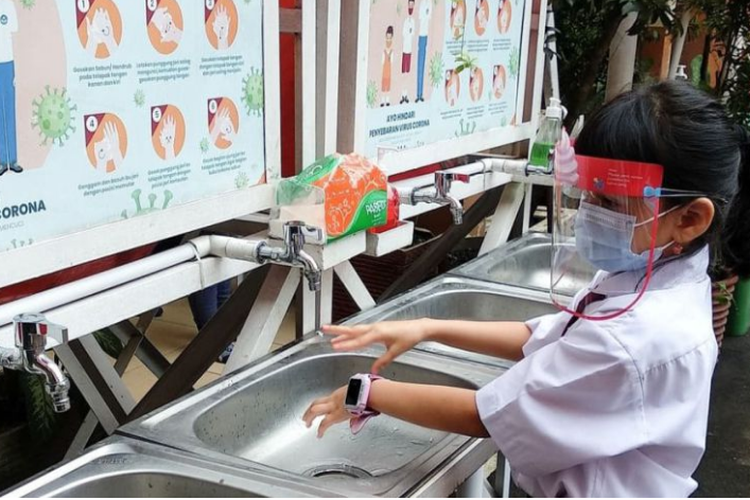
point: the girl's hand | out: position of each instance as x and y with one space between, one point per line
397 336
332 407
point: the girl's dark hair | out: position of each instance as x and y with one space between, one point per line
389 30
689 133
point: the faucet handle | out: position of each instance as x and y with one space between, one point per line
32 330
302 233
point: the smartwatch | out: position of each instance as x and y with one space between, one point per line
357 395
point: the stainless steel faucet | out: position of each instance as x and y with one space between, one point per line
438 192
295 235
31 331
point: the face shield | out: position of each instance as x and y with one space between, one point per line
606 218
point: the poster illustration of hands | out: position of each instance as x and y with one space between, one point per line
110 109
441 69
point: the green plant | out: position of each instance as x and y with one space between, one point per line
465 61
372 94
40 413
724 296
436 70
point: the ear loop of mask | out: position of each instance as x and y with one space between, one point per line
646 281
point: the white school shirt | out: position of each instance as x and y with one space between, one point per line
615 408
425 11
408 34
8 26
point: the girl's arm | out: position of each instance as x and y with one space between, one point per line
502 339
447 409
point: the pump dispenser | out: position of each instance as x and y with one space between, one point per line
549 134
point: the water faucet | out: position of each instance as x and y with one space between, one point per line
295 235
439 193
31 331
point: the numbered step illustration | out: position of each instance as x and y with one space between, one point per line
99 27
165 25
223 122
222 23
106 141
167 131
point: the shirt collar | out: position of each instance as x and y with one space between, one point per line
667 273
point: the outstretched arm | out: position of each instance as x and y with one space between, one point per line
447 409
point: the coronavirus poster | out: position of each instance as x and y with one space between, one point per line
441 69
111 109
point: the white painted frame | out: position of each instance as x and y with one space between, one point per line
63 252
352 133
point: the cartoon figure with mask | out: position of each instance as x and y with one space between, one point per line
8 137
425 14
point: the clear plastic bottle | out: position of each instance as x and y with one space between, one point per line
549 133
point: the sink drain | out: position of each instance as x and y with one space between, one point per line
338 470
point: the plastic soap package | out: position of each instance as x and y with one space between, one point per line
341 194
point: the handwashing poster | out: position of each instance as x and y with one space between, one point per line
441 69
110 109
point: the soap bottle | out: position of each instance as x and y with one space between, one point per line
549 134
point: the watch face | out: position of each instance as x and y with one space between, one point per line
352 395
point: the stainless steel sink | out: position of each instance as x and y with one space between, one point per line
525 263
121 467
253 420
451 297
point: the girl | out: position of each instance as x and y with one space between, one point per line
613 408
387 61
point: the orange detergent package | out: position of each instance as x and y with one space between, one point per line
341 194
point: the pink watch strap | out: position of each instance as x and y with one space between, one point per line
357 423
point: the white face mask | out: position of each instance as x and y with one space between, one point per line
605 238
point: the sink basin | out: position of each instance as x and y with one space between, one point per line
253 420
525 263
121 467
451 297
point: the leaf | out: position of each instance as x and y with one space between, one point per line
40 414
109 343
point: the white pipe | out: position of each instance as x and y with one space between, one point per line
203 246
91 285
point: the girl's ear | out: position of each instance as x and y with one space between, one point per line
694 220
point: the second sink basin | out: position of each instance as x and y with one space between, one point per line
253 420
452 297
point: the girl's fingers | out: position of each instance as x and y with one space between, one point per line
338 330
327 422
352 344
314 410
383 361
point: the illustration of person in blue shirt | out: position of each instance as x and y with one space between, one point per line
8 139
425 12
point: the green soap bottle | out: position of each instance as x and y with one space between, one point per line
549 134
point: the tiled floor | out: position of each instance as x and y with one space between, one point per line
171 333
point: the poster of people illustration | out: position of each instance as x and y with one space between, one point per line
441 69
110 109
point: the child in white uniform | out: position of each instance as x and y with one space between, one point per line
614 408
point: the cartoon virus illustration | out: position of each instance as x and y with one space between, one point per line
252 92
504 121
514 63
372 94
28 4
53 116
139 98
20 243
242 180
467 128
436 69
205 144
141 210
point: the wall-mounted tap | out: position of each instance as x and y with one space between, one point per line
295 235
291 252
438 192
31 331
